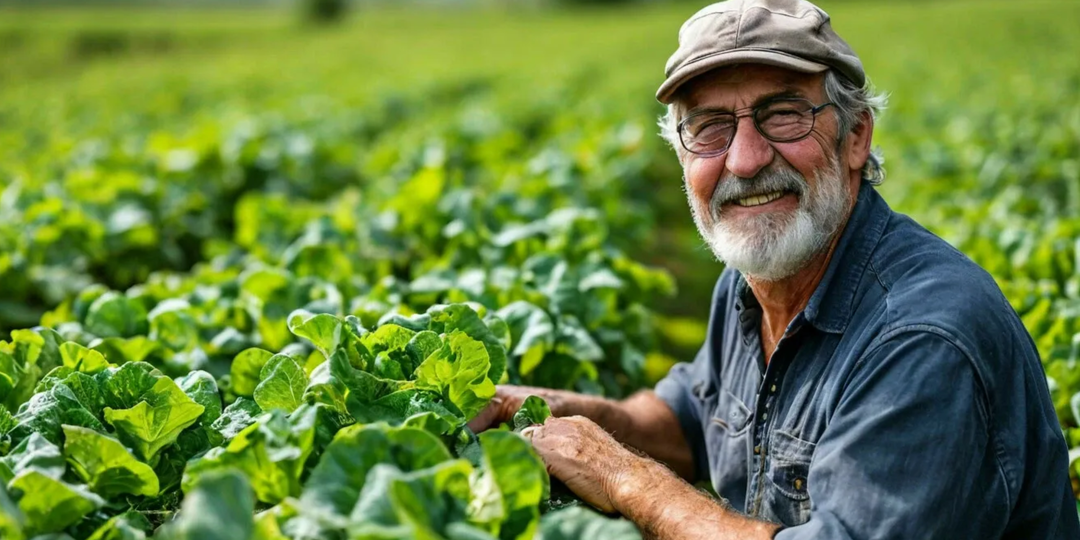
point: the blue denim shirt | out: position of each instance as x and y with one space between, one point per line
905 401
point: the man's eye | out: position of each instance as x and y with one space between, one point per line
782 112
713 128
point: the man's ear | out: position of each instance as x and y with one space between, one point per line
857 145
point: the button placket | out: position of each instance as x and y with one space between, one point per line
760 441
767 394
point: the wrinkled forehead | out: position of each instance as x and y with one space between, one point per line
744 85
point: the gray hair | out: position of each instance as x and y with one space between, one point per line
851 103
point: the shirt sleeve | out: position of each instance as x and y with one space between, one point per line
908 452
684 387
677 390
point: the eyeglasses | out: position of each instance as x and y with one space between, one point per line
709 133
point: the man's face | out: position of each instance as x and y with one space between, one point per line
766 208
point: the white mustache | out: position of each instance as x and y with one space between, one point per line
731 188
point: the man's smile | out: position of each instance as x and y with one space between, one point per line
758 200
777 201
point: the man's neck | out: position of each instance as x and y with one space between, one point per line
782 300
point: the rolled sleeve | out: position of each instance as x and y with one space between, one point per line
677 391
909 450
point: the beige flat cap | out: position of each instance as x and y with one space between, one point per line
792 34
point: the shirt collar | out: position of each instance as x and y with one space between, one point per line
829 308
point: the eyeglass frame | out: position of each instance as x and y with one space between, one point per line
814 110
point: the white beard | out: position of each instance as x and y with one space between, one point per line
771 247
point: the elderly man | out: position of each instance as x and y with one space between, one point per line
860 378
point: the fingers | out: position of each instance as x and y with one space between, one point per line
487 417
573 453
555 435
507 401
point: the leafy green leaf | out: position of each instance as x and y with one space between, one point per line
283 384
173 326
11 518
421 346
323 387
201 387
245 369
115 315
330 334
533 411
459 372
85 387
236 417
7 421
388 343
104 464
79 358
512 483
120 350
396 407
335 483
532 331
431 422
219 506
34 452
49 504
417 323
47 411
326 332
10 375
267 527
162 410
127 526
123 387
22 361
445 319
418 504
26 346
574 340
362 388
270 453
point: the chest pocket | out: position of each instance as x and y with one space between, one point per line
787 499
731 415
727 430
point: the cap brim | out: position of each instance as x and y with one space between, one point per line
744 56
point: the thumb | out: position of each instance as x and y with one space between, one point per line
530 431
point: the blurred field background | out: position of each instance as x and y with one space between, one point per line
981 137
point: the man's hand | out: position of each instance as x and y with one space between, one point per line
508 400
610 477
642 421
586 458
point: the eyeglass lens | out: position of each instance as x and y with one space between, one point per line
778 121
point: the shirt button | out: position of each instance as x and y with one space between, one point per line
757 449
764 416
773 389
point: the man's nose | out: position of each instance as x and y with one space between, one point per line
749 151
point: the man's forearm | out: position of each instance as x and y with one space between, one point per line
666 508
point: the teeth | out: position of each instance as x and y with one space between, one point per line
759 200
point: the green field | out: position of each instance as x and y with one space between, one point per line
176 184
